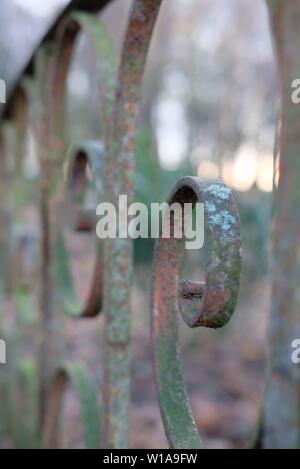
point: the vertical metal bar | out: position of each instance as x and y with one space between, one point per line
118 253
50 341
282 403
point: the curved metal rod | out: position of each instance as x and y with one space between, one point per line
77 375
89 154
118 260
105 60
210 304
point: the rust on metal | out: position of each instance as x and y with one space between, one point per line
88 154
118 253
210 304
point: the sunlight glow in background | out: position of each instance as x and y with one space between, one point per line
246 168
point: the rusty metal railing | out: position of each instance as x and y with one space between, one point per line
208 304
39 101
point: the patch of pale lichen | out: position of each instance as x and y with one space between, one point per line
219 191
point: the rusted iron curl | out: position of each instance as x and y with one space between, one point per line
92 152
105 60
87 156
76 375
210 304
